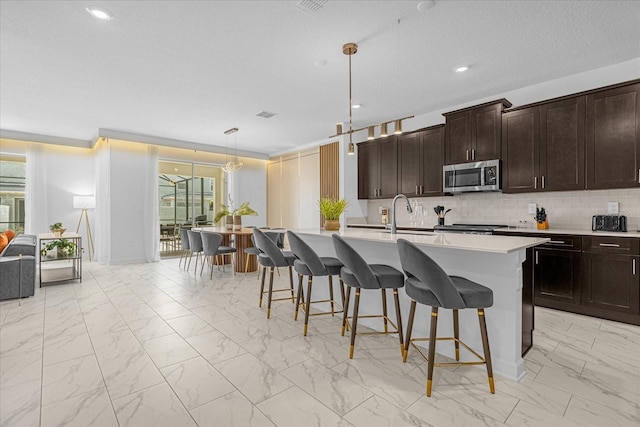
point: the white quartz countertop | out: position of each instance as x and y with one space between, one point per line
468 242
630 233
551 231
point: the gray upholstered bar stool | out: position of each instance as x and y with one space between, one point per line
186 249
310 264
271 256
357 274
428 284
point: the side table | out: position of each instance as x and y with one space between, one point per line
57 265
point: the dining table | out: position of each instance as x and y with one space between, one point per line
242 239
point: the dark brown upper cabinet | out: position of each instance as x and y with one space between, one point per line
543 147
420 159
474 133
613 138
378 168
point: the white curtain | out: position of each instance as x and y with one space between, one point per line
36 190
102 227
151 206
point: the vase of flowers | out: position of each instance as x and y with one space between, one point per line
57 229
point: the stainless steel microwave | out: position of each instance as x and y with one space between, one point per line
469 177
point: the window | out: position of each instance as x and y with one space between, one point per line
12 191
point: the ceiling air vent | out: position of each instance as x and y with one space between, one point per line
265 114
311 6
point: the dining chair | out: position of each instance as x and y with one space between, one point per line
195 246
184 243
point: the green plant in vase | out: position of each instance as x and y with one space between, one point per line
331 209
57 229
234 216
63 247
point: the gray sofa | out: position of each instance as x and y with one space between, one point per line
18 279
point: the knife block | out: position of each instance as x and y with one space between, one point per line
543 225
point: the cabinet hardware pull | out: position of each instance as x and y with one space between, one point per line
610 245
559 242
537 257
421 189
638 176
467 154
542 181
417 192
535 182
473 154
634 266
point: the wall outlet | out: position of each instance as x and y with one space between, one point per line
612 208
532 208
380 208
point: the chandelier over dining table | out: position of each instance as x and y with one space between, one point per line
231 166
351 49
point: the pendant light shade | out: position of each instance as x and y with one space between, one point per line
338 128
383 130
398 127
231 166
372 132
352 149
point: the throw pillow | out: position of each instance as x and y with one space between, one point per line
10 234
3 242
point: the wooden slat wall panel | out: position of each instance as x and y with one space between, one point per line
329 172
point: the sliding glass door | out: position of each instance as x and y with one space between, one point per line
190 194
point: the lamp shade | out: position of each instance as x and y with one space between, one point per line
84 202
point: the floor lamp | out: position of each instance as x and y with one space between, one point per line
85 203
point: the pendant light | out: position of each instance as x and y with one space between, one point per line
351 49
231 166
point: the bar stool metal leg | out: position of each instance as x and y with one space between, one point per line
432 348
308 305
293 299
269 295
412 312
331 294
456 333
399 318
264 274
346 309
487 352
355 323
295 314
384 310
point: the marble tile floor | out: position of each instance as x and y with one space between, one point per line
153 345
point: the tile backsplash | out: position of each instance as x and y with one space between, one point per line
565 209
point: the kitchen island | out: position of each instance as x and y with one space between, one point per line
493 261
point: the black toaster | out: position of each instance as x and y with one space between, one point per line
609 223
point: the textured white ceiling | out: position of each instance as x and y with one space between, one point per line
188 70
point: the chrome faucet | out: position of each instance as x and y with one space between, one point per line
393 211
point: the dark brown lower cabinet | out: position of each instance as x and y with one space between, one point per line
557 272
591 275
611 277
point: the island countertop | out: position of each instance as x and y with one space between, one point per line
469 242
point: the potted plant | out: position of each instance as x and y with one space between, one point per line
234 216
63 248
57 229
331 209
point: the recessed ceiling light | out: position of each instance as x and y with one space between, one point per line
356 106
461 69
99 14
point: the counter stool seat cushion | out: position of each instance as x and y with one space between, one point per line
252 251
332 265
266 261
473 294
386 276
